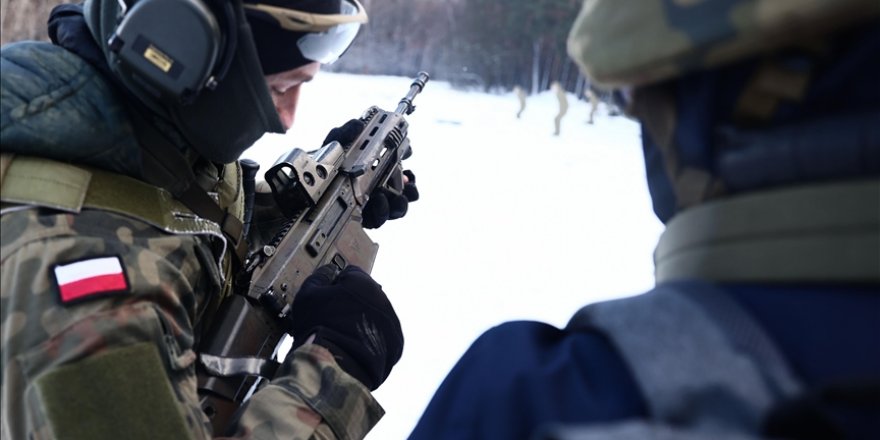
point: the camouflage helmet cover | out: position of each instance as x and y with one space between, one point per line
638 42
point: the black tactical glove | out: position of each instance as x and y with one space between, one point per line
350 316
346 134
383 205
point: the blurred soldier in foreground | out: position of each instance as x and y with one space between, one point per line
762 146
124 221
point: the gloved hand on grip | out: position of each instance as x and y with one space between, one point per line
350 316
383 205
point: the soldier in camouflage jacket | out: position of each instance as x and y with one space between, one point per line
107 279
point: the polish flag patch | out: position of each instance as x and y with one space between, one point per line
85 279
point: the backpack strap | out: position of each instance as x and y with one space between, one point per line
702 363
827 232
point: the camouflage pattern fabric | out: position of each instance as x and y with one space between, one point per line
636 42
123 365
171 279
321 401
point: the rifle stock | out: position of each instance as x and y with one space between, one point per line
323 193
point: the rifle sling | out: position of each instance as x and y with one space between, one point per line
166 167
227 366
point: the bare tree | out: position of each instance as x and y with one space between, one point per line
483 44
25 19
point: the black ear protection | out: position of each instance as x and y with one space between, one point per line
174 49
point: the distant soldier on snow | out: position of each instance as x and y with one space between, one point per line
521 96
594 103
563 105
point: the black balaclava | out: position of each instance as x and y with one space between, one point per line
221 123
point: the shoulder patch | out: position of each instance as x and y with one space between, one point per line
87 279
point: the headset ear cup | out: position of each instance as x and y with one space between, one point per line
225 121
167 47
228 42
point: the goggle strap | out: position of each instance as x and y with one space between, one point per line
300 21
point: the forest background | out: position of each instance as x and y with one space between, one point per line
480 45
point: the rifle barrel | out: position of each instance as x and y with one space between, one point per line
406 106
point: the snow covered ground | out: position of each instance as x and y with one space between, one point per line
513 222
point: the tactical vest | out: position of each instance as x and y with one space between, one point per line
705 368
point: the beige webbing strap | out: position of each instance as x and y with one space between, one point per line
818 233
5 160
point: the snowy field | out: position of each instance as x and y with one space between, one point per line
513 222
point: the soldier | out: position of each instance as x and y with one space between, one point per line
762 149
594 103
521 97
563 105
122 212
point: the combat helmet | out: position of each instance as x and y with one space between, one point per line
635 42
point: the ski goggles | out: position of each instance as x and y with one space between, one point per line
315 36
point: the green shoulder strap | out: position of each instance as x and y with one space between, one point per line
70 188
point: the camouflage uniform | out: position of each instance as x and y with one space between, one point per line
122 363
669 44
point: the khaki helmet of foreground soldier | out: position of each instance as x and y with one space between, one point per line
761 134
122 222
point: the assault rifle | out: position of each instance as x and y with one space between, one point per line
323 194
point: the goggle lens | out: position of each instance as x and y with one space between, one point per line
288 38
326 47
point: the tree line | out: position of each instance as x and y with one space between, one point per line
488 45
25 19
485 44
